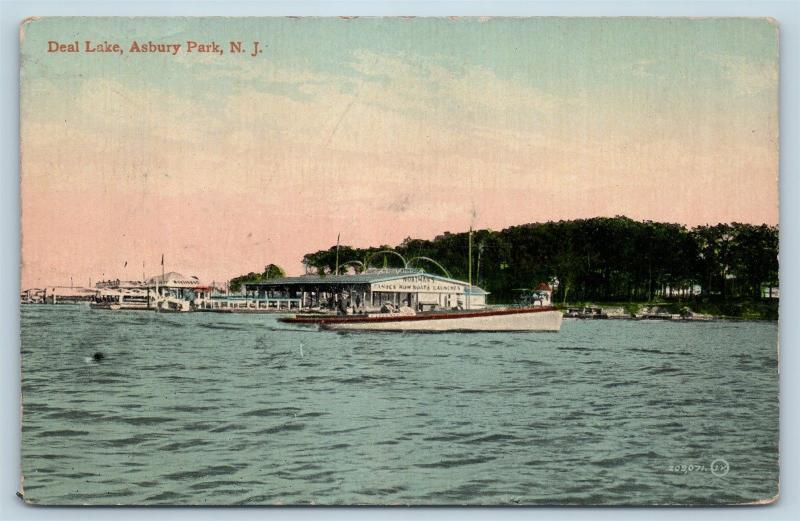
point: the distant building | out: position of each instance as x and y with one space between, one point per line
32 296
683 291
57 295
768 291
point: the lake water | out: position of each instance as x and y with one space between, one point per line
214 409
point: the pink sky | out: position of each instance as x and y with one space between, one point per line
119 171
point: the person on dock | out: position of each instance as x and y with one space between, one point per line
342 307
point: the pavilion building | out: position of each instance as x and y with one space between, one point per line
370 291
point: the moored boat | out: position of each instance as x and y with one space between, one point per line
121 299
541 318
172 305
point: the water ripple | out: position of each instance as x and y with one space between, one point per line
210 409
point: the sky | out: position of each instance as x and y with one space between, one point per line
378 130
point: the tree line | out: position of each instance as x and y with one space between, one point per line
602 259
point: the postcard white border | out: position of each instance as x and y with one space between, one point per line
788 15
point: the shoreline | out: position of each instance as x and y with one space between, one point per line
690 311
665 317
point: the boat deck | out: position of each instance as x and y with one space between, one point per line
400 317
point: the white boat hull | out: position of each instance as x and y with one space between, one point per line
538 321
173 305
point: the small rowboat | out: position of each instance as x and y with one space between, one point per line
503 319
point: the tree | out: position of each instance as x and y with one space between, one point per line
271 271
602 258
754 256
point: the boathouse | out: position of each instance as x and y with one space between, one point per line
370 290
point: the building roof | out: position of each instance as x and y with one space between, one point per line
544 286
174 279
368 277
67 291
345 278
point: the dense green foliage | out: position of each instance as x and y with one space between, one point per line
601 259
271 271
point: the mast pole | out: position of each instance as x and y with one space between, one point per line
337 253
158 295
469 268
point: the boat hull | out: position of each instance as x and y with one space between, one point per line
507 320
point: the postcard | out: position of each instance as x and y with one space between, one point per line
399 261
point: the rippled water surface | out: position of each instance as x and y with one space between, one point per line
219 409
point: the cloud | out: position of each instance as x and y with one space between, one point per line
446 88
